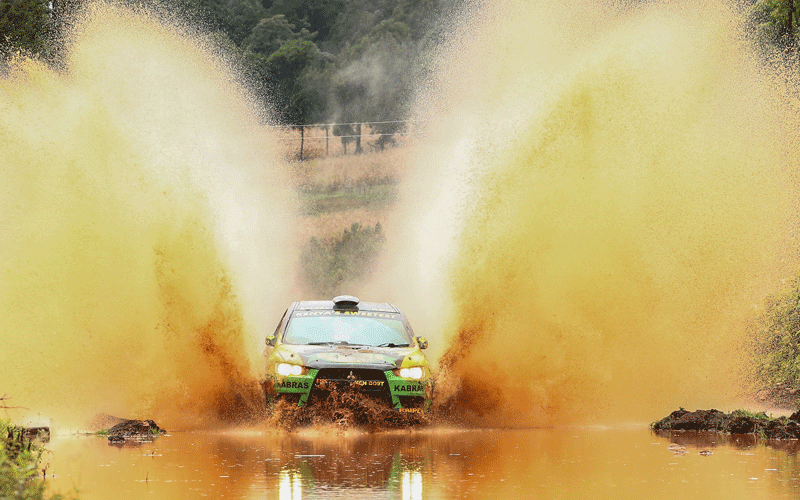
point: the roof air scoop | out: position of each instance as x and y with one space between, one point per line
345 302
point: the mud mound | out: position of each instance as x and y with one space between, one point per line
103 421
700 420
736 422
136 431
345 409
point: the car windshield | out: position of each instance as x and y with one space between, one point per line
372 329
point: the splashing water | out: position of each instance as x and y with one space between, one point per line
612 196
626 196
131 180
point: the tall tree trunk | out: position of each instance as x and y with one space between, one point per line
788 30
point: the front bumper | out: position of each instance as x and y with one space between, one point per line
402 394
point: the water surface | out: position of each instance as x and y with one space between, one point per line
431 463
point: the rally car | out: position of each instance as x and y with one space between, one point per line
347 345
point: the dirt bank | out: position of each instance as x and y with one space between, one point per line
736 422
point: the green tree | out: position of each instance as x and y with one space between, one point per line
241 16
293 99
315 15
293 102
271 32
774 24
375 80
25 25
359 17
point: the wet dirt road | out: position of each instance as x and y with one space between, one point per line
545 463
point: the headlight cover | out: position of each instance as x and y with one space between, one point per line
286 370
414 372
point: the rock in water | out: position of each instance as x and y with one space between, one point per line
137 430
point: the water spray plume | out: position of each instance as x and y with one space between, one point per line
613 192
142 228
627 205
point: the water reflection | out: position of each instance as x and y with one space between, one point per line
703 440
412 485
548 463
780 458
711 440
302 482
370 466
289 487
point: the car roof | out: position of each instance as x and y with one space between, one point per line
327 305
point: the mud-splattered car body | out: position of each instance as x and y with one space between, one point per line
347 345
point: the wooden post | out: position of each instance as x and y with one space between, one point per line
358 139
327 152
302 140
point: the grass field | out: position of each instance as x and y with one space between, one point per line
344 204
374 197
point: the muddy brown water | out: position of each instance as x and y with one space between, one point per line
430 463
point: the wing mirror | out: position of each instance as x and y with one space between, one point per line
271 340
422 342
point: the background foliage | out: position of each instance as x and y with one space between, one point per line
330 60
775 339
329 265
311 60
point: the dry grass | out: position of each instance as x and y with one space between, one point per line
332 225
336 191
341 199
350 171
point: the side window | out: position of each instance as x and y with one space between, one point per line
280 324
273 339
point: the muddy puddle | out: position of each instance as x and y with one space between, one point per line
431 463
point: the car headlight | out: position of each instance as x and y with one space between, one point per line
285 369
414 372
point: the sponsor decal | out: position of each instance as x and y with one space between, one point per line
367 314
408 388
368 382
352 357
356 382
291 384
410 410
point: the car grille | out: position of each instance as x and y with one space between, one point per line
369 382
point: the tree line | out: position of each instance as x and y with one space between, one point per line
342 61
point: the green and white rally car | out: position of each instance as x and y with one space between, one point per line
347 345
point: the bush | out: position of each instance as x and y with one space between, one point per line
19 466
775 338
328 267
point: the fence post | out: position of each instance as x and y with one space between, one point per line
327 153
358 139
302 140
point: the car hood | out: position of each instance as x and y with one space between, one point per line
378 358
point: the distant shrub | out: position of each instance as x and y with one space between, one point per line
330 266
775 339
